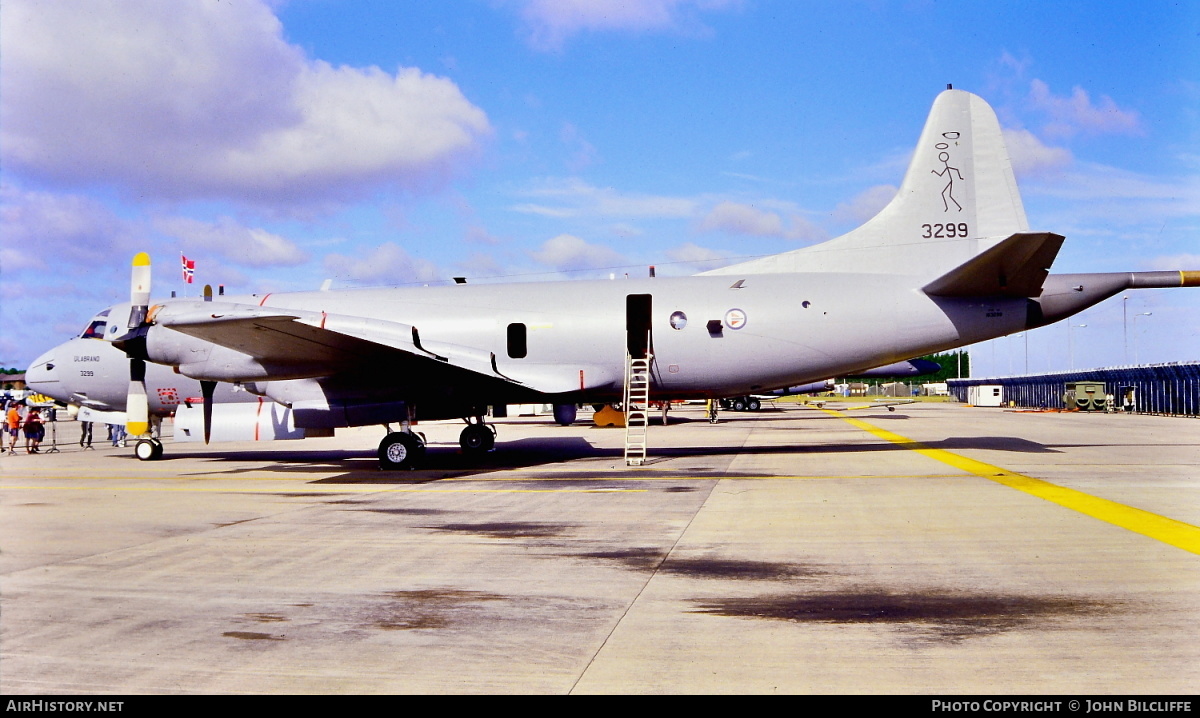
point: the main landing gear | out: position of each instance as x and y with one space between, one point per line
478 438
405 449
401 450
741 403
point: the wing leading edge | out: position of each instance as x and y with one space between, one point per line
311 344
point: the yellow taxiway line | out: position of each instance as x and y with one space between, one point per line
1160 528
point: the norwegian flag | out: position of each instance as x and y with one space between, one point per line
189 269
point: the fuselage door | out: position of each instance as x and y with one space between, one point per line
638 308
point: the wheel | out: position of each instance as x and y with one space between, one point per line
148 449
399 450
739 404
565 414
754 404
476 439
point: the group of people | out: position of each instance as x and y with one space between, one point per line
19 419
116 434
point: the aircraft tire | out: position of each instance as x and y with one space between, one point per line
399 451
754 405
148 449
739 404
476 439
565 414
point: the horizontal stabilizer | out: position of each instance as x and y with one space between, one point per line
1015 267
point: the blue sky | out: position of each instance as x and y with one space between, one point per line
280 144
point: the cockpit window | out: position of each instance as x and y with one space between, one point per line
95 330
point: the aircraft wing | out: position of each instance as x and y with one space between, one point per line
338 342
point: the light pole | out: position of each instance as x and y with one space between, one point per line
1008 350
1125 324
1025 335
1071 345
1135 338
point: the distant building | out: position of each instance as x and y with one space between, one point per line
938 388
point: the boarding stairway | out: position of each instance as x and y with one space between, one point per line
637 408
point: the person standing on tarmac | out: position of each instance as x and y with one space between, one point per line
35 431
12 421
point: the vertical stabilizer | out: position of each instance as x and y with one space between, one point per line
958 198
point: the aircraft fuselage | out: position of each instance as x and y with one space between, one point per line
709 335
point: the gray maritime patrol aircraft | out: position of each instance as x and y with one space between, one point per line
951 261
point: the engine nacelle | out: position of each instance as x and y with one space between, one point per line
261 420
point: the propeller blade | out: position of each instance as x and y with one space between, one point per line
207 388
139 290
137 406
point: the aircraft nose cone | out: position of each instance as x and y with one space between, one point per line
43 377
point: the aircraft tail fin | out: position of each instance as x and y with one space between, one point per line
959 198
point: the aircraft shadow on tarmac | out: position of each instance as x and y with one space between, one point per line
448 462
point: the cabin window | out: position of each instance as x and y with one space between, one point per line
518 346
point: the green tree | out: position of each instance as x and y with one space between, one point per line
948 361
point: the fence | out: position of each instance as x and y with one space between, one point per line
1172 388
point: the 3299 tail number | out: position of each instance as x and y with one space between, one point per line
940 231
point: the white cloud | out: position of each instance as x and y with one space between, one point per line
239 244
1101 183
1031 157
478 234
61 232
865 205
481 266
583 153
388 264
568 253
742 219
1175 262
697 257
748 219
1072 115
550 23
206 99
575 198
